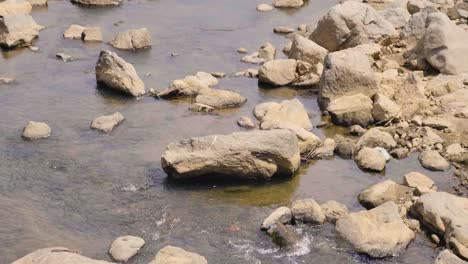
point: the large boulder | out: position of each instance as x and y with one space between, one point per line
133 39
347 72
175 255
57 255
306 50
278 72
190 86
97 3
383 192
284 114
18 30
375 137
447 216
13 7
444 45
379 232
246 155
349 24
351 110
117 74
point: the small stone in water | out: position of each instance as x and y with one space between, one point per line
242 50
64 57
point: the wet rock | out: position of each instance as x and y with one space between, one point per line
283 235
4 80
107 123
374 137
125 247
383 192
74 32
379 232
13 7
56 255
334 210
327 149
416 179
220 99
92 34
432 160
447 257
18 30
245 122
97 3
278 72
349 24
264 7
307 211
64 57
357 130
370 159
447 216
345 149
306 50
284 114
133 39
399 153
397 16
444 45
437 123
282 215
196 107
265 53
218 74
190 86
251 73
384 109
283 30
347 72
308 141
247 155
36 130
175 255
117 74
287 3
351 110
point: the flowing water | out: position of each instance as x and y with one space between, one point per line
81 189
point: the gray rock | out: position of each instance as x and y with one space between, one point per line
36 130
125 247
56 255
64 57
438 123
370 159
383 192
133 39
357 130
175 255
306 50
399 153
283 30
107 123
351 110
345 149
374 137
253 154
117 74
398 16
18 30
334 210
283 235
282 215
307 211
432 160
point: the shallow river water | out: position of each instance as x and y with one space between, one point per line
81 189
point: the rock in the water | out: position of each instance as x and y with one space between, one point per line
37 3
64 57
18 30
379 232
284 114
190 86
432 160
370 159
97 3
307 211
175 255
253 154
374 137
125 247
74 32
133 39
265 53
117 74
57 255
288 3
283 30
251 73
447 216
345 149
107 123
220 99
327 149
36 130
306 50
13 7
444 45
245 122
447 257
383 192
416 179
346 72
283 235
264 8
282 215
384 108
399 153
5 80
278 72
351 110
92 34
349 24
334 210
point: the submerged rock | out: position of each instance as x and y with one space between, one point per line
108 122
125 247
56 255
288 3
245 155
175 255
133 39
18 30
281 215
13 7
36 130
379 232
432 160
117 74
307 211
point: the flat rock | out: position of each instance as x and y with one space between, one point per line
370 159
74 32
432 160
351 110
190 86
56 255
307 211
36 130
282 215
264 7
287 3
379 232
284 235
416 179
278 72
133 39
175 255
398 16
247 155
284 114
383 192
117 74
125 247
92 34
306 50
219 99
18 30
107 123
283 30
